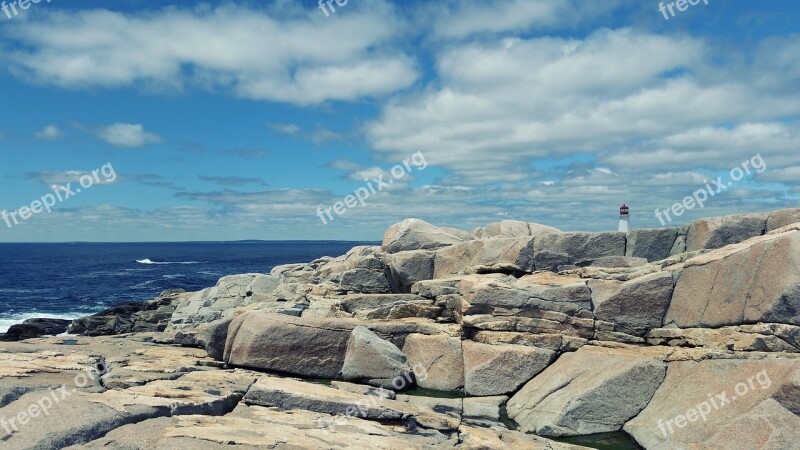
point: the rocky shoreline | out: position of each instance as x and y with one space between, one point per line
508 336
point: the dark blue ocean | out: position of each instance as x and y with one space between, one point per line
74 279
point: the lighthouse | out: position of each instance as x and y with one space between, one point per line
624 218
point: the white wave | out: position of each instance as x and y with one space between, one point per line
6 322
147 261
143 284
169 277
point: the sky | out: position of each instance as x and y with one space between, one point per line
150 121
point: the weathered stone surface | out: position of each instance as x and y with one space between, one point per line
291 394
541 291
255 427
442 359
613 261
745 338
484 411
551 341
374 360
553 250
652 244
498 254
717 232
501 369
754 281
635 306
512 228
415 234
590 391
363 389
80 416
666 423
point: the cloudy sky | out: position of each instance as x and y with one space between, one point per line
245 120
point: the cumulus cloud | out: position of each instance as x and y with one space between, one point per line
262 54
49 133
126 135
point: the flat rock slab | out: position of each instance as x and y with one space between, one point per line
286 393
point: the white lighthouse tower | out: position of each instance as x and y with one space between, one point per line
624 218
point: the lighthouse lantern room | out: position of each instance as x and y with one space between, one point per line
624 218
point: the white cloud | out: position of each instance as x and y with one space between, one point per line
302 59
285 128
49 133
126 135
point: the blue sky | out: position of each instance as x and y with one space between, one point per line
238 120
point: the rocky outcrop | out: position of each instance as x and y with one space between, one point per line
414 234
152 315
33 328
527 330
754 281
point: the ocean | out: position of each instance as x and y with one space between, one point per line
75 279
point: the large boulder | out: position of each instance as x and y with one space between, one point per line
415 234
304 346
442 359
635 306
407 268
782 218
373 360
754 281
33 328
553 250
512 228
593 390
501 369
723 404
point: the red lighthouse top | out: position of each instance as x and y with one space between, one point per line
624 210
